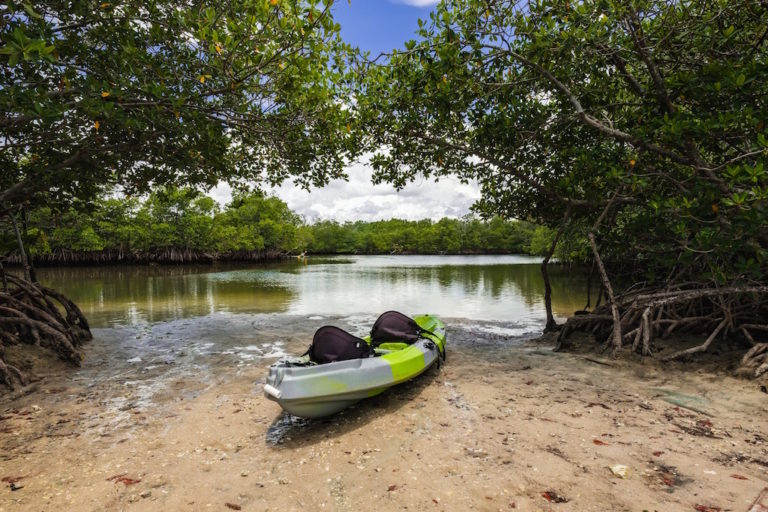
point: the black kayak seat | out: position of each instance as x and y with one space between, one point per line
393 326
331 344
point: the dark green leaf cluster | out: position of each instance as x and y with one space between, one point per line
168 93
651 111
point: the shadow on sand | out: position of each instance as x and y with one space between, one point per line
288 431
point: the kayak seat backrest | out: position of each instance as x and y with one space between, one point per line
331 344
393 326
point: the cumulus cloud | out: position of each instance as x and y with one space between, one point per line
359 199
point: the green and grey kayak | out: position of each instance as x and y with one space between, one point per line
310 390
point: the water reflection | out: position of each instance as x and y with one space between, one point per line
133 295
505 288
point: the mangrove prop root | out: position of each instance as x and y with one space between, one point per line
35 315
61 256
757 356
646 314
699 348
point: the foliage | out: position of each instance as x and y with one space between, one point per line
185 220
181 219
154 93
647 115
451 236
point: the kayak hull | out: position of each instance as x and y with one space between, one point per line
321 390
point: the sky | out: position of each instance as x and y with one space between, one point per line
380 25
376 26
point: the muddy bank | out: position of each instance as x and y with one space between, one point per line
164 255
175 420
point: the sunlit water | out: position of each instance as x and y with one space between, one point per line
505 288
156 324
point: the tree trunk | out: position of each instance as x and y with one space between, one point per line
589 286
32 273
616 336
551 323
22 252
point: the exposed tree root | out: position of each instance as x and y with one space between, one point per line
757 358
645 315
172 255
33 314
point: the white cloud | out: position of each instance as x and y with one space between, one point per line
359 199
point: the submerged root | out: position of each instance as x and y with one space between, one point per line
713 313
35 315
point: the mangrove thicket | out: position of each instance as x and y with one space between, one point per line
186 226
637 125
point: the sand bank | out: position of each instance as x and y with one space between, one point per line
504 425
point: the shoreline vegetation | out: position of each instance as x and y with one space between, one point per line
178 226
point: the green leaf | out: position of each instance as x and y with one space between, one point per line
31 11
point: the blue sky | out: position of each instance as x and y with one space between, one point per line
380 25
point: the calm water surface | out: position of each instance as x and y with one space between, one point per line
165 332
491 288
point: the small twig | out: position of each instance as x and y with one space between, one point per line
597 361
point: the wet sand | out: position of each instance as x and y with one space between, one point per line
505 425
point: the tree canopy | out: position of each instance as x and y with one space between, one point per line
132 95
656 108
152 93
640 125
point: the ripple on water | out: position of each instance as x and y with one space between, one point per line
359 325
472 334
145 363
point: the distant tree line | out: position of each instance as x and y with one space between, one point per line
447 236
182 225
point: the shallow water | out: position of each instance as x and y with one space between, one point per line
170 394
161 331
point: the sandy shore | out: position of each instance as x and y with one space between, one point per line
513 428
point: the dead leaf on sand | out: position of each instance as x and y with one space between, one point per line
554 497
707 508
13 479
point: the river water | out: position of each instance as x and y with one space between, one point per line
506 288
161 331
